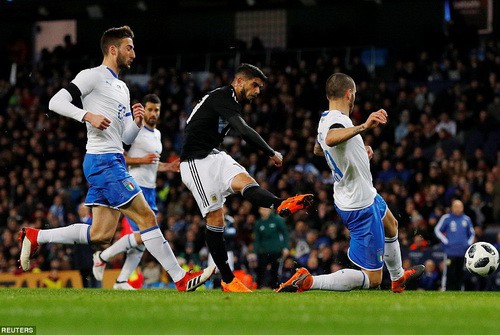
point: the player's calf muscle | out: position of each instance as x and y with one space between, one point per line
99 235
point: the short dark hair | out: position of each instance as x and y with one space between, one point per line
337 84
153 98
250 71
113 36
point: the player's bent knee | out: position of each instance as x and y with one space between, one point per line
375 278
375 283
215 218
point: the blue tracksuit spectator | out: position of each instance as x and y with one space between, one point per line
456 232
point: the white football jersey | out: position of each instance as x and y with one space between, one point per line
148 141
353 185
103 93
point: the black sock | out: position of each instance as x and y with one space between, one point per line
216 245
261 197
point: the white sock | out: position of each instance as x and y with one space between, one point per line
392 257
124 244
131 262
160 249
78 233
341 280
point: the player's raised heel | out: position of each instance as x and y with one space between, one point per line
29 246
412 273
294 204
301 281
193 280
235 286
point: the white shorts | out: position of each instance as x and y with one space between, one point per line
209 179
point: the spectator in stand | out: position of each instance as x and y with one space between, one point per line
446 124
403 128
388 173
419 243
58 211
430 280
53 281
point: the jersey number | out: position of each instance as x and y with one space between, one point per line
121 112
337 174
196 108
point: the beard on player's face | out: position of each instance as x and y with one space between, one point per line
351 103
243 94
151 121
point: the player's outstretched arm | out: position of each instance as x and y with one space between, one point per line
250 135
339 135
376 118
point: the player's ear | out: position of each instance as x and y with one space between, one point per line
240 80
113 50
347 94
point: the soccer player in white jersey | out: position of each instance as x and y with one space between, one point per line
110 123
143 164
373 228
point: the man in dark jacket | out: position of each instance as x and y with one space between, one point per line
270 242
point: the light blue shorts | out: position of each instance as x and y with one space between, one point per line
366 248
110 183
150 195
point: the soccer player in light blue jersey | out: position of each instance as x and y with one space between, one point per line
105 102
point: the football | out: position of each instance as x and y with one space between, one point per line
481 259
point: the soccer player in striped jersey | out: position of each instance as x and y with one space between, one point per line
373 228
211 174
105 108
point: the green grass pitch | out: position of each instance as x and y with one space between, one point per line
205 312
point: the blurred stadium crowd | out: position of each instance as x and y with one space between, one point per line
442 143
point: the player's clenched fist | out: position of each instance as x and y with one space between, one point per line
138 113
277 158
97 120
151 158
376 118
